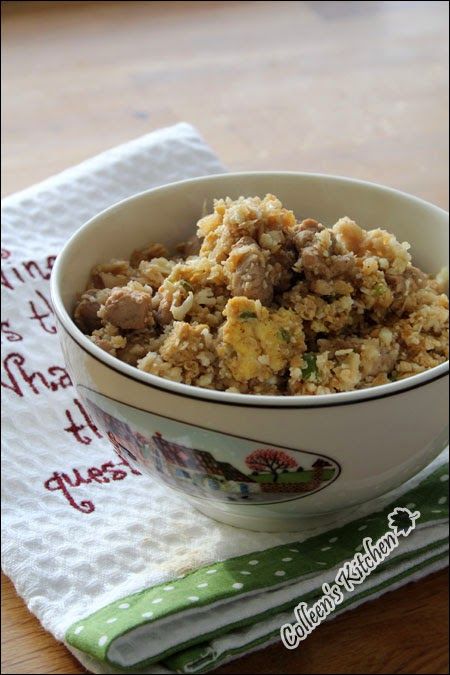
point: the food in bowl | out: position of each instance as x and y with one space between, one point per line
377 438
258 302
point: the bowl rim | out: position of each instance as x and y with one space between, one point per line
213 395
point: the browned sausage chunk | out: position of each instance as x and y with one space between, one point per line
163 313
86 311
128 309
148 253
189 247
314 260
304 233
315 264
247 264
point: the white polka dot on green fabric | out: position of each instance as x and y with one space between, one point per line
319 562
245 572
444 478
293 550
238 586
442 500
286 559
333 540
280 573
326 548
156 601
411 506
168 588
211 571
436 511
113 619
362 527
253 562
147 615
124 605
103 640
203 585
78 630
193 598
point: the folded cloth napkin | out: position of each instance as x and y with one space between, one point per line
130 577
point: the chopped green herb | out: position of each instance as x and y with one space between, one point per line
186 285
311 366
285 335
379 289
247 315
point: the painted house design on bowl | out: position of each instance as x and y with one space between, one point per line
257 475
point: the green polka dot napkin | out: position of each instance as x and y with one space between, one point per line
129 576
201 619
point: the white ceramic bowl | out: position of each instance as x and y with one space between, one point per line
348 447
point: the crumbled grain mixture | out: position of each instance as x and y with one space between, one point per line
260 303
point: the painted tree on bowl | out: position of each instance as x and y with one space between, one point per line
270 461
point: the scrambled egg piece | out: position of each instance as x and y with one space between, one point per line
256 342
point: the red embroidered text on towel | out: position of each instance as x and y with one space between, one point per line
21 378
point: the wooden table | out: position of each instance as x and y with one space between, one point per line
352 88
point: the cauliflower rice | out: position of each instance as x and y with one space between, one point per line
260 303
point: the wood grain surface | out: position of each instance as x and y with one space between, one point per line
351 88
